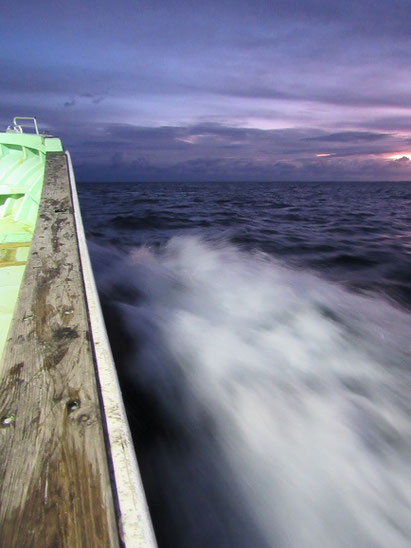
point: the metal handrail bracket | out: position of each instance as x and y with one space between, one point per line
19 126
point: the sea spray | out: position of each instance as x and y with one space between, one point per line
270 407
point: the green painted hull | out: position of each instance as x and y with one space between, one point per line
22 164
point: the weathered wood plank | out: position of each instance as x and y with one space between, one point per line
54 478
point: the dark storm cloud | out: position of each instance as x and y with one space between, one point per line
350 137
214 152
225 170
207 137
95 99
393 123
349 98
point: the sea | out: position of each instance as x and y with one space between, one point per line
262 336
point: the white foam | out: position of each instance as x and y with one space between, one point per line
307 386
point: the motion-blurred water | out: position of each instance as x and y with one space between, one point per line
262 335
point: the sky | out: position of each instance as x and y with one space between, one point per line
228 90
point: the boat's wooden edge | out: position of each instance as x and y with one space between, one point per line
135 524
55 484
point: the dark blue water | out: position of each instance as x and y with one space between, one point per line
358 234
262 338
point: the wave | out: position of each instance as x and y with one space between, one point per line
151 220
269 407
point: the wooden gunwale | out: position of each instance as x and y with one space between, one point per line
55 487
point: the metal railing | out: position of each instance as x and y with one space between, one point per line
17 127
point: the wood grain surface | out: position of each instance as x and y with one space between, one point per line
55 485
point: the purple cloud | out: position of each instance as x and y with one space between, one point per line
273 84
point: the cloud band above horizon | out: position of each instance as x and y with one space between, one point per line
291 90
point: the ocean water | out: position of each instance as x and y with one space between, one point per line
262 337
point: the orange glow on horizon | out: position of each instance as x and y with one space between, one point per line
401 155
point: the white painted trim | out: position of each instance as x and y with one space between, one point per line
135 525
